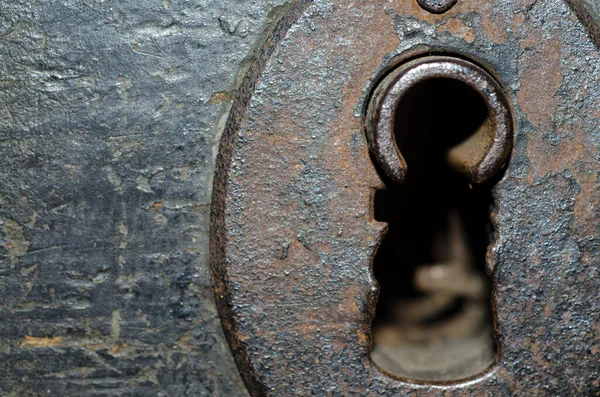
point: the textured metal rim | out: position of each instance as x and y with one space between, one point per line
393 88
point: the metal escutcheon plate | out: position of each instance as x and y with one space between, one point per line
293 233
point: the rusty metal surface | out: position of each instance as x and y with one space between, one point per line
589 14
480 156
292 214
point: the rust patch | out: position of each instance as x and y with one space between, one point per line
492 25
554 159
457 28
517 23
540 67
540 79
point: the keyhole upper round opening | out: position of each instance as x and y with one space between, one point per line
448 112
460 92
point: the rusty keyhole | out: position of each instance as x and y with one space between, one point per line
447 121
480 156
294 238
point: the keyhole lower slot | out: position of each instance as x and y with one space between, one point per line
434 317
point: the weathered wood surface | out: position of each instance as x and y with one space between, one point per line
110 112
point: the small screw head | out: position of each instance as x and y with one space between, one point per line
437 6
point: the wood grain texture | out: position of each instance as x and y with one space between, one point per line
109 118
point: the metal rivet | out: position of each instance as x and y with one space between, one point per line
437 6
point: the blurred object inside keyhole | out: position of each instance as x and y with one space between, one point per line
434 316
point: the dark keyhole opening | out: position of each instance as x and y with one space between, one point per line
434 317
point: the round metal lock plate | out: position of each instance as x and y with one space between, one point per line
293 232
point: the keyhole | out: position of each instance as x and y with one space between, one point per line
434 317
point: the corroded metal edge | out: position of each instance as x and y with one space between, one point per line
588 12
223 162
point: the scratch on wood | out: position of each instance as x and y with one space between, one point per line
115 325
31 342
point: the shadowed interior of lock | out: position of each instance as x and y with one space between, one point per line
434 316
